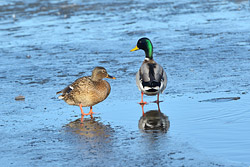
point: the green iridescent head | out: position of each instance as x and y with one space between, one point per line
146 45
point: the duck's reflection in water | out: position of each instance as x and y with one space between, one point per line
153 121
91 137
90 128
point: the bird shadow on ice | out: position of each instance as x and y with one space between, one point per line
153 121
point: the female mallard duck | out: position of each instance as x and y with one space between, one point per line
151 79
87 91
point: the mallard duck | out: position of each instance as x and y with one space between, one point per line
151 78
87 91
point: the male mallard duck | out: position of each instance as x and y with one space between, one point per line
87 91
151 79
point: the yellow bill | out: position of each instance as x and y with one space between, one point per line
136 48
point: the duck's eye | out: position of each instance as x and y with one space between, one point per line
103 71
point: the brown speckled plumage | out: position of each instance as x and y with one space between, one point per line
87 91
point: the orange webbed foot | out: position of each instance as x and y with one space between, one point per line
142 102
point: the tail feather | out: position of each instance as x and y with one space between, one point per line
59 92
65 91
60 97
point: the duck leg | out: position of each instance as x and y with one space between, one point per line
82 116
142 102
142 108
158 104
90 111
157 101
158 98
80 105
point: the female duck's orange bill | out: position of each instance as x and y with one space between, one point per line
108 76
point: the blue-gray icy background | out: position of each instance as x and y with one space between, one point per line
204 47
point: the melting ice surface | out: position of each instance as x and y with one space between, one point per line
204 47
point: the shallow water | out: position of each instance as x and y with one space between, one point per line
203 46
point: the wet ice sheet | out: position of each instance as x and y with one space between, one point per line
204 47
61 140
